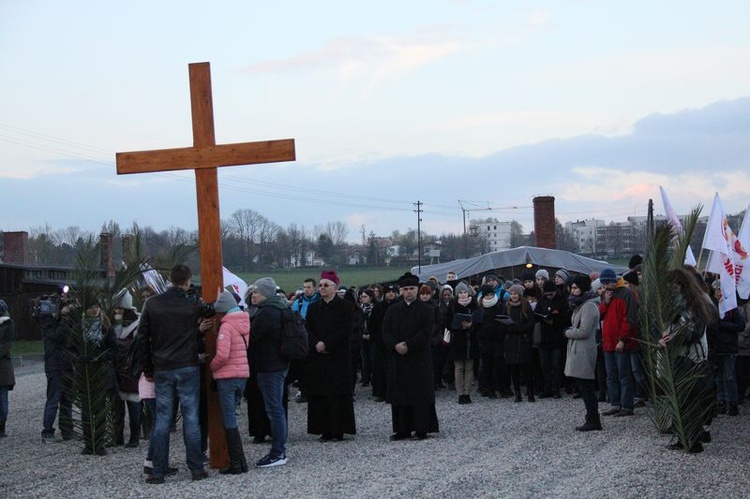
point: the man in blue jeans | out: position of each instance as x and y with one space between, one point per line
169 355
619 312
271 369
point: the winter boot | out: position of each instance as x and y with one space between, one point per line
236 454
2 429
593 423
732 410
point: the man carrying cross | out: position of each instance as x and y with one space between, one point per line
205 157
169 355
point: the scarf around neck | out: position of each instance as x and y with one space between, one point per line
489 303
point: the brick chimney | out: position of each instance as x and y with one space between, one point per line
544 222
106 244
16 247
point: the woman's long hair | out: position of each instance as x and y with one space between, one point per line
696 300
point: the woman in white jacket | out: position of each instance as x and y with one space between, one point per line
581 360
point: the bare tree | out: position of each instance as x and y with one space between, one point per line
71 235
112 227
246 224
336 232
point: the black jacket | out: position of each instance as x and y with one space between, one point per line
491 335
169 336
265 337
464 344
727 334
518 337
56 346
557 321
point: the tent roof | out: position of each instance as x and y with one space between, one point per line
515 259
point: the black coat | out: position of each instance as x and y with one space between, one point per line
375 324
7 335
329 373
464 344
410 376
56 346
490 333
553 328
728 332
519 336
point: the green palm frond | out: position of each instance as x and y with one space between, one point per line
675 383
92 361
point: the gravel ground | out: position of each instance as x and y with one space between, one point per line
491 448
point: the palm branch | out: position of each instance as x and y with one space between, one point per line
93 368
674 382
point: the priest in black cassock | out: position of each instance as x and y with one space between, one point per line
328 369
407 330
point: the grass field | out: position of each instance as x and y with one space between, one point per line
26 347
290 280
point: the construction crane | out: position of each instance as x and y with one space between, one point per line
461 203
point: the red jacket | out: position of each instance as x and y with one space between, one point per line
620 320
230 360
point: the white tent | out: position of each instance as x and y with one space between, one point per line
514 262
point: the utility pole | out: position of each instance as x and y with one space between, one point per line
418 211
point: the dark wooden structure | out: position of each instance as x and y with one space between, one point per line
20 284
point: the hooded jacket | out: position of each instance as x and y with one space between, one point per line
230 360
265 336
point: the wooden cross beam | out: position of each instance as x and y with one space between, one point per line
205 157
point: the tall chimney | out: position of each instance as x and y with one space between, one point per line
16 247
544 222
106 244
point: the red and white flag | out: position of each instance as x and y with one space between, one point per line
720 238
741 257
235 284
676 226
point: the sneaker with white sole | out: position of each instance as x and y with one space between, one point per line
269 461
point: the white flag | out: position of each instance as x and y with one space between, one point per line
741 257
676 226
719 239
236 284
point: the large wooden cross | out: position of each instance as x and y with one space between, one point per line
204 157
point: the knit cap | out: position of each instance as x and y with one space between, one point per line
265 286
543 274
563 274
224 303
607 276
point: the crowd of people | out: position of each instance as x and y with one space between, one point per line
533 337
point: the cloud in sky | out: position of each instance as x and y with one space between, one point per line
691 153
381 56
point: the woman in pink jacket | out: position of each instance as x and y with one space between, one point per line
230 370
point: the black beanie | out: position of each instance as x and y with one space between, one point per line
583 282
635 260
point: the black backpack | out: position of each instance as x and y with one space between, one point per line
294 344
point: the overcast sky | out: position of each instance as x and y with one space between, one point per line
390 102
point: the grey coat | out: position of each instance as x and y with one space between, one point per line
581 361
